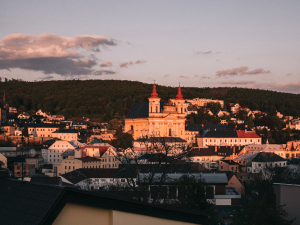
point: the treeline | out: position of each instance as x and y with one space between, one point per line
104 100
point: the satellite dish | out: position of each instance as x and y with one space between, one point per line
32 152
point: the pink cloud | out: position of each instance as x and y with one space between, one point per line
104 72
243 70
166 75
106 64
184 77
126 64
204 53
196 75
24 46
205 77
51 53
140 61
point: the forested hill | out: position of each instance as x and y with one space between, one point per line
106 99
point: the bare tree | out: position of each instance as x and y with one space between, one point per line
154 156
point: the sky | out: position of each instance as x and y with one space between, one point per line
197 43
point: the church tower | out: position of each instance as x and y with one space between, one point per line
154 103
180 102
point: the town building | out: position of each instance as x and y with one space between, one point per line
156 118
202 102
264 160
61 205
228 137
228 165
210 156
65 134
288 197
40 129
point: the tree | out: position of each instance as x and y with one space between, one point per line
260 204
126 141
161 153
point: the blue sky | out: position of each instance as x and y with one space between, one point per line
251 44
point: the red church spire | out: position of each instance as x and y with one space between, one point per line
179 95
154 94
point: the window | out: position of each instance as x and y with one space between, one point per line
170 132
53 160
65 167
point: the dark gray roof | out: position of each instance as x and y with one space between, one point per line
69 152
26 203
214 150
46 180
230 162
267 157
217 127
66 131
160 139
221 134
38 125
48 143
74 176
140 110
34 203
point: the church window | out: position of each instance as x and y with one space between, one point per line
131 127
156 109
170 132
151 108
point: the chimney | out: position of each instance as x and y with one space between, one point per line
216 148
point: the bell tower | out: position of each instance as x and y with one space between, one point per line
154 102
179 102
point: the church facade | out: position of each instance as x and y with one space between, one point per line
156 118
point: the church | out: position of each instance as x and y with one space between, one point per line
156 118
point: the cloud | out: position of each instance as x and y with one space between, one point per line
238 82
51 53
243 70
205 77
196 75
166 75
104 72
105 64
184 77
282 87
289 74
140 61
126 64
47 78
204 53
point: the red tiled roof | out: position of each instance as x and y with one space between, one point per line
243 134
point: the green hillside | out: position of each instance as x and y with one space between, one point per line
106 99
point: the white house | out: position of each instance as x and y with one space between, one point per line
52 154
65 134
265 160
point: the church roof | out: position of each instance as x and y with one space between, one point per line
140 110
